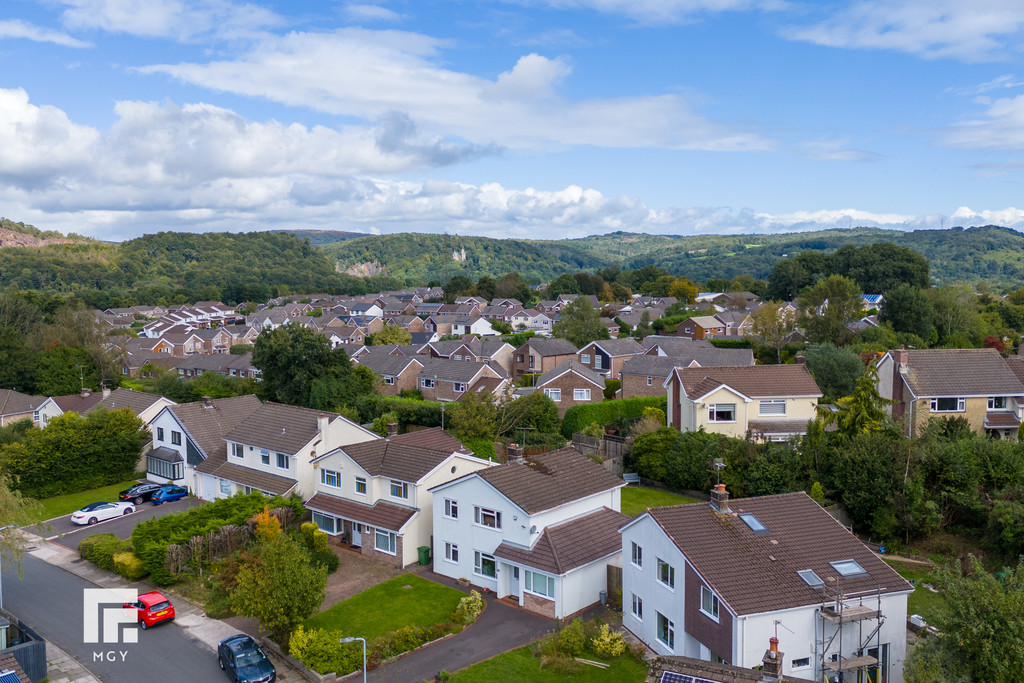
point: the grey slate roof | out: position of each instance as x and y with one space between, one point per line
279 427
555 346
752 574
571 366
247 476
388 364
77 403
960 372
407 457
550 479
207 425
137 401
566 546
450 370
626 346
661 366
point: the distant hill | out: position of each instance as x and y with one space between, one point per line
989 253
23 235
320 237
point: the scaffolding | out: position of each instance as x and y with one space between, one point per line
845 620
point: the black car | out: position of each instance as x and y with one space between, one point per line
140 492
244 661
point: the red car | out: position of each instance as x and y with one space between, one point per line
152 608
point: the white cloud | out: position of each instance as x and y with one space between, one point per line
357 72
1001 128
1003 82
179 19
362 12
15 28
978 30
660 11
1008 217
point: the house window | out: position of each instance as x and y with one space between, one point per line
650 381
460 387
225 487
585 358
638 555
427 383
237 450
722 412
176 438
581 394
361 486
451 508
708 602
458 356
801 663
519 358
388 379
384 541
776 406
451 552
399 489
488 518
540 584
162 468
666 573
948 405
666 631
330 478
848 568
997 403
597 362
282 461
638 607
160 432
483 564
325 522
554 394
264 457
531 361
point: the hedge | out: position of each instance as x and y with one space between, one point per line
482 448
129 566
732 343
100 549
151 538
409 411
608 412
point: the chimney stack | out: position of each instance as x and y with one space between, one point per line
392 429
207 402
800 359
321 423
772 661
515 453
106 392
85 392
720 499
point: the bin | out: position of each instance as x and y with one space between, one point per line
424 555
603 595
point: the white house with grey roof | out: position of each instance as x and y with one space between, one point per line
540 533
716 581
375 495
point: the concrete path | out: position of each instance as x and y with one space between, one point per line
500 628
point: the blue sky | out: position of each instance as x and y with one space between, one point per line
524 118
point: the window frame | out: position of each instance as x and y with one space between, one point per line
403 489
159 433
224 484
650 380
994 400
553 393
585 358
451 508
362 481
482 513
669 631
478 564
637 555
283 457
451 552
427 383
390 536
637 607
581 394
961 404
334 522
714 602
175 438
389 380
325 475
666 574
530 580
265 457
459 386
713 410
771 402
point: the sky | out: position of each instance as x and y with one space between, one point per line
538 119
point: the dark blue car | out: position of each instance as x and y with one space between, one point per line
168 494
244 661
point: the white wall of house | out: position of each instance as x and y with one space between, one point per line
582 586
47 411
163 427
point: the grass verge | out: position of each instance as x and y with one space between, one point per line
635 499
931 606
65 505
523 666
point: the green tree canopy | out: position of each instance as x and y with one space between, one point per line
392 334
908 309
63 370
834 369
581 323
828 306
291 358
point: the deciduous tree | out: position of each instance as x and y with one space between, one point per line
827 308
581 323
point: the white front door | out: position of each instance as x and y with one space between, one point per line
513 580
357 534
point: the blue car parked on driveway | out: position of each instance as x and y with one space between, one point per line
168 494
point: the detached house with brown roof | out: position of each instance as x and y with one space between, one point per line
571 384
541 355
716 581
446 380
772 402
645 375
397 372
375 495
540 532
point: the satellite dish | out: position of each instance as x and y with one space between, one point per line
533 529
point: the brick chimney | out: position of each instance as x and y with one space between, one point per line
106 392
720 499
392 429
800 358
772 661
514 453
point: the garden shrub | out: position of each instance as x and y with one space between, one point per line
608 412
398 641
88 544
611 387
573 638
308 529
320 541
129 566
469 608
102 552
326 559
482 448
609 644
320 650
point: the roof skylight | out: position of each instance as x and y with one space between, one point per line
754 523
848 568
810 578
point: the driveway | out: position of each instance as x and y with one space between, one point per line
61 530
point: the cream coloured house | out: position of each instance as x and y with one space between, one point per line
772 402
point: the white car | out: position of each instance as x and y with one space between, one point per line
98 512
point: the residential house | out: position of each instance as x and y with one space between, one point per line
146 363
541 355
571 384
16 406
497 389
700 326
445 380
772 402
716 581
412 323
676 347
145 406
645 375
80 403
215 339
532 319
606 356
398 372
978 385
375 495
241 334
869 301
541 531
188 434
273 450
194 366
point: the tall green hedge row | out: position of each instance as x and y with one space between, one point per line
608 412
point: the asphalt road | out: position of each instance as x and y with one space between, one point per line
64 532
50 600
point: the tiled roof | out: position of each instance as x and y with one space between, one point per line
279 427
754 381
550 479
207 425
484 385
627 346
960 372
777 427
675 346
407 457
388 364
165 454
571 366
755 573
138 401
14 402
77 403
450 370
705 321
552 347
253 478
382 515
662 366
1001 421
566 546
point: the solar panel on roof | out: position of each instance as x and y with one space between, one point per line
9 677
673 677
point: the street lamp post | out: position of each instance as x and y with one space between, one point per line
352 640
3 529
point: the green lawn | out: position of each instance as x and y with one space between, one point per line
635 500
389 606
65 505
931 606
520 666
